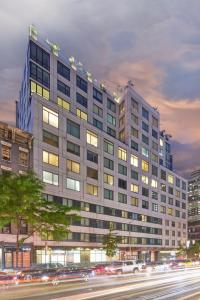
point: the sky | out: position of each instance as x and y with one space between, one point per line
154 43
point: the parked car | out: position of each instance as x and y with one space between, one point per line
158 266
126 266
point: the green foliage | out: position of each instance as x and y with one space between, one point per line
110 243
21 199
194 250
182 251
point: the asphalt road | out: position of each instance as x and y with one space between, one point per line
183 285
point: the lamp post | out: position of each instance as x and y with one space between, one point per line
130 247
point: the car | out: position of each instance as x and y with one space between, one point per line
8 279
100 269
158 266
126 266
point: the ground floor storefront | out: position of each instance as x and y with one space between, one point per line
29 255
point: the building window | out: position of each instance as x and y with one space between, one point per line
154 183
108 194
92 138
91 156
50 158
121 121
135 105
108 163
134 201
122 135
98 124
6 152
111 105
154 134
134 119
145 204
40 56
122 184
154 157
39 90
145 166
134 188
134 160
111 132
122 154
108 147
63 88
73 166
154 170
92 189
134 132
154 195
134 145
111 119
145 179
62 103
50 138
81 114
122 169
63 70
122 198
50 117
73 129
145 127
73 184
155 146
81 100
145 192
97 95
109 179
170 211
73 148
97 110
81 83
145 113
50 178
163 209
134 175
23 158
170 178
154 207
154 122
145 139
163 198
163 174
145 152
92 173
39 75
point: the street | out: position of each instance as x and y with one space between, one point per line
180 284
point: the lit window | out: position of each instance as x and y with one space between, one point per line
73 166
170 211
170 178
134 188
92 138
134 201
109 179
23 158
161 142
92 189
38 89
50 158
5 152
64 104
145 166
50 178
81 114
145 179
154 183
50 117
122 154
73 184
134 160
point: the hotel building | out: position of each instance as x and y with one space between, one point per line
102 153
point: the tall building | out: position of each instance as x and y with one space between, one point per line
102 153
194 207
15 156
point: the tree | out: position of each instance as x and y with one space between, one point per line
22 200
182 251
110 243
194 250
